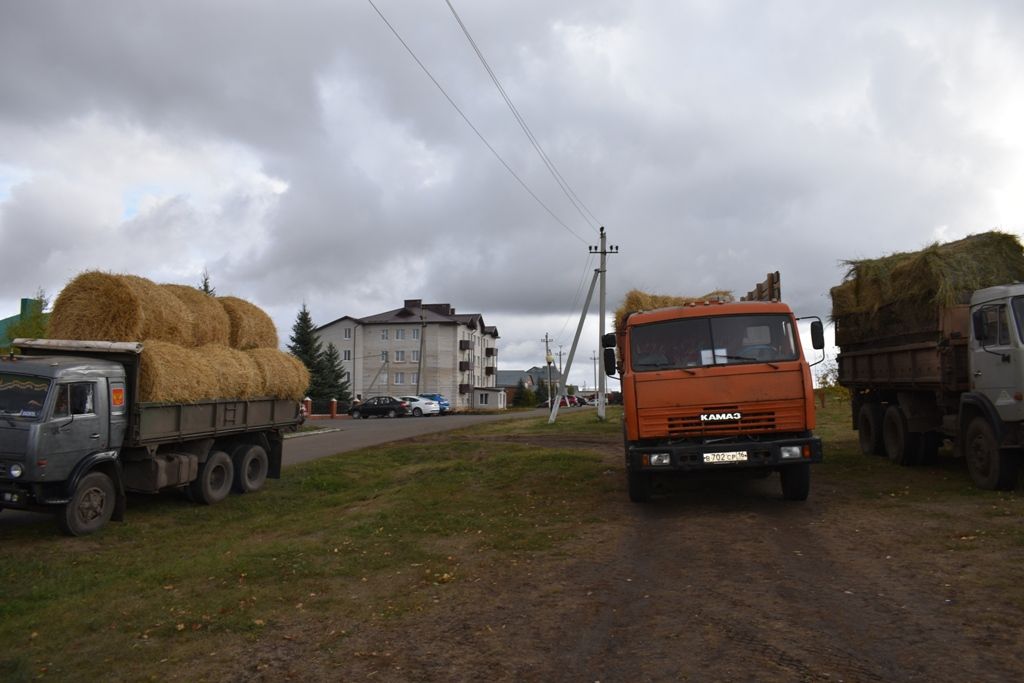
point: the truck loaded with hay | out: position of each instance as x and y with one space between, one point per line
200 404
932 348
714 384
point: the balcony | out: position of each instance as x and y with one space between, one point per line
490 370
465 366
490 352
465 388
465 345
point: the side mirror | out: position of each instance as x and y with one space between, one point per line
817 335
608 340
609 362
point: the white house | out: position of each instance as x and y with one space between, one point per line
420 348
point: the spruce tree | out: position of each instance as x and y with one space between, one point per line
204 285
333 378
306 346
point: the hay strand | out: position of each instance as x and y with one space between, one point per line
283 375
637 300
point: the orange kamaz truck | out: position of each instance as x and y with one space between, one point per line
716 385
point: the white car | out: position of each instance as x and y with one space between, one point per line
419 406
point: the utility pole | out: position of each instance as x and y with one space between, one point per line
593 357
603 250
549 359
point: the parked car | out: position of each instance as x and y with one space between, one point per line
562 403
442 402
420 406
381 406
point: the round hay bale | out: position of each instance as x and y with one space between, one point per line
169 373
251 327
284 375
237 374
637 300
210 323
109 307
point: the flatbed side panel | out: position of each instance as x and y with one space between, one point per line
163 423
926 366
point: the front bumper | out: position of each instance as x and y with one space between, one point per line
722 455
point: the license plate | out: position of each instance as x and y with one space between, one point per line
730 456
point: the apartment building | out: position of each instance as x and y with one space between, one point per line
420 348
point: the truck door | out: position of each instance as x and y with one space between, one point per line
994 372
78 426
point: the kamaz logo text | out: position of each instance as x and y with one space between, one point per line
715 417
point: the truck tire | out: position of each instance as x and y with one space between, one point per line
251 465
990 467
90 507
216 476
869 429
639 486
901 445
796 481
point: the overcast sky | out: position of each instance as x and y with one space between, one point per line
300 154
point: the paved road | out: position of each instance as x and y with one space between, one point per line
340 435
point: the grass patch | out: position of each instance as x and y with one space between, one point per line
353 536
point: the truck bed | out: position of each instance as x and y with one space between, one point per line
939 362
156 423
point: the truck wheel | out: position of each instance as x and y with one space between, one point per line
90 507
990 467
251 465
796 481
216 476
902 446
869 429
639 486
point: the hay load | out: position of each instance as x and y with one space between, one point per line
282 374
109 307
210 323
195 347
250 326
902 295
637 300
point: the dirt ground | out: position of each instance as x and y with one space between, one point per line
715 581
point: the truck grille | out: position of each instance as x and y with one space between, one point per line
759 419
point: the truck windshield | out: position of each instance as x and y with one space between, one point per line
22 396
701 342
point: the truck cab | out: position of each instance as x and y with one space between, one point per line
59 416
997 349
716 386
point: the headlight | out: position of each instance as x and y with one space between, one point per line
16 470
790 452
660 459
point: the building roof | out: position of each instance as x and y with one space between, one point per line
510 378
415 311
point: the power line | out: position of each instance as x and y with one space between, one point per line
470 123
562 182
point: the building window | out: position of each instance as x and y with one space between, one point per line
483 399
415 356
347 354
399 356
416 333
348 333
414 378
384 333
400 333
399 378
383 356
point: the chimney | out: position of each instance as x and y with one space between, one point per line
414 303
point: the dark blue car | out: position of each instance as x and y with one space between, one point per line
441 401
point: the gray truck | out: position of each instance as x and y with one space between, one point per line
74 438
961 377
